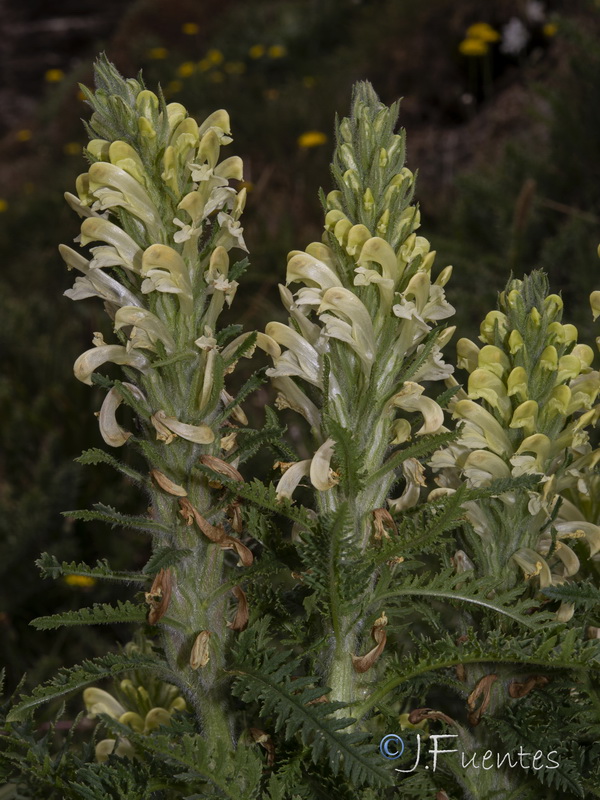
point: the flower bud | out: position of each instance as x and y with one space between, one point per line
568 367
585 354
595 304
549 358
494 360
515 342
444 276
468 354
525 416
553 304
494 324
517 384
559 401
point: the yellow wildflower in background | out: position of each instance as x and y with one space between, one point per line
204 65
473 47
174 86
3 205
483 32
257 51
190 28
158 53
186 69
80 581
72 149
217 77
24 135
308 81
276 51
312 139
550 29
234 67
54 75
215 56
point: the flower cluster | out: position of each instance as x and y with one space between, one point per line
142 702
366 306
528 409
161 217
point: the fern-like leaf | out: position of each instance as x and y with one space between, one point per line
51 567
73 679
114 518
98 614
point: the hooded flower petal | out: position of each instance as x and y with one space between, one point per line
89 361
97 701
122 251
322 476
300 358
344 303
201 434
410 398
113 187
291 478
148 322
312 272
166 271
291 396
95 282
112 433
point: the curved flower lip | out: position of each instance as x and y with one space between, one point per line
291 478
266 343
89 361
305 359
96 283
573 528
482 466
308 269
126 251
487 386
533 564
539 444
112 186
410 398
148 322
79 208
308 329
200 434
568 558
110 430
490 428
322 476
381 252
166 271
291 396
413 472
97 701
343 302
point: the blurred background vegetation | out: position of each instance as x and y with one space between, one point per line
502 117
